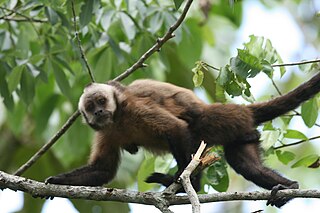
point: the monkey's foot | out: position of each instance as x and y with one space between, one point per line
161 178
280 201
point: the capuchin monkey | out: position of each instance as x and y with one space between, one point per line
162 117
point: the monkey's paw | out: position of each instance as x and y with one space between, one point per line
280 201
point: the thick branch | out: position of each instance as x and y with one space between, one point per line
38 189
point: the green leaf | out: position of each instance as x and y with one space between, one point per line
27 90
190 40
246 64
106 19
217 176
285 157
309 112
45 110
86 13
295 134
177 3
63 63
146 168
116 49
128 26
306 161
224 75
14 77
156 22
198 74
255 46
234 88
61 79
268 126
51 15
4 90
162 163
269 137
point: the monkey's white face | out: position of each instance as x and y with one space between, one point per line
97 105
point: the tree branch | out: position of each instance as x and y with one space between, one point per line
125 74
185 179
79 42
156 47
38 189
24 19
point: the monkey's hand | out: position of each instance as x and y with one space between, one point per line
89 175
55 180
280 201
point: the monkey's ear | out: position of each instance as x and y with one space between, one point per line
117 85
88 85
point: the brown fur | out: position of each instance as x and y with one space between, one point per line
162 117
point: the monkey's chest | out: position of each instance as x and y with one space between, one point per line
143 138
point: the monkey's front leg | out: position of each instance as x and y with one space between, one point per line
101 169
89 175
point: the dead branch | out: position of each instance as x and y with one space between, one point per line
185 179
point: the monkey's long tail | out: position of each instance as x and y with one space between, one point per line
269 110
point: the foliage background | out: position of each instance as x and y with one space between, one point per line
42 77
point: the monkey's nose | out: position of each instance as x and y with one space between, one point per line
98 112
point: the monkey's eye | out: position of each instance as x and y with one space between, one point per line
101 101
89 107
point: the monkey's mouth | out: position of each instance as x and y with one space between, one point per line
102 121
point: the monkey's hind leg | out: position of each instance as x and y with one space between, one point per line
245 160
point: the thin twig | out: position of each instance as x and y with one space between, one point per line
210 66
276 87
296 143
296 63
79 43
6 18
156 47
26 18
